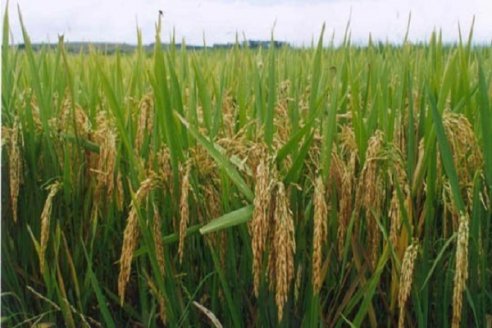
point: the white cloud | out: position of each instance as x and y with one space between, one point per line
295 21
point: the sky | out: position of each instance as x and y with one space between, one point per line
219 21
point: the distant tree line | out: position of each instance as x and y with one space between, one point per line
110 48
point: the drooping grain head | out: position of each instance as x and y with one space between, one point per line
406 279
319 232
164 163
205 165
119 191
36 117
395 218
145 121
130 240
461 271
346 200
158 244
73 119
132 233
348 143
399 183
449 209
6 132
370 193
104 166
260 223
45 223
465 149
229 112
282 125
284 245
15 167
184 208
336 175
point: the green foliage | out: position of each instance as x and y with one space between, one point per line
218 111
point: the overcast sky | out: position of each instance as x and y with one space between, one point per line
295 21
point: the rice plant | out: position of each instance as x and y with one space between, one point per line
329 186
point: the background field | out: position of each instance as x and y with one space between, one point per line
332 186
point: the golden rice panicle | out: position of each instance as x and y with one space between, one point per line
320 231
6 133
346 201
465 150
130 239
132 233
396 209
347 140
15 167
370 193
461 272
260 223
395 218
119 191
145 121
184 209
336 173
45 222
158 244
164 163
73 116
284 244
406 279
105 136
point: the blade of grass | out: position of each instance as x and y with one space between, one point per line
228 220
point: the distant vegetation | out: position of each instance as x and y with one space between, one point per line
111 48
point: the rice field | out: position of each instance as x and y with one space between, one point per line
333 186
